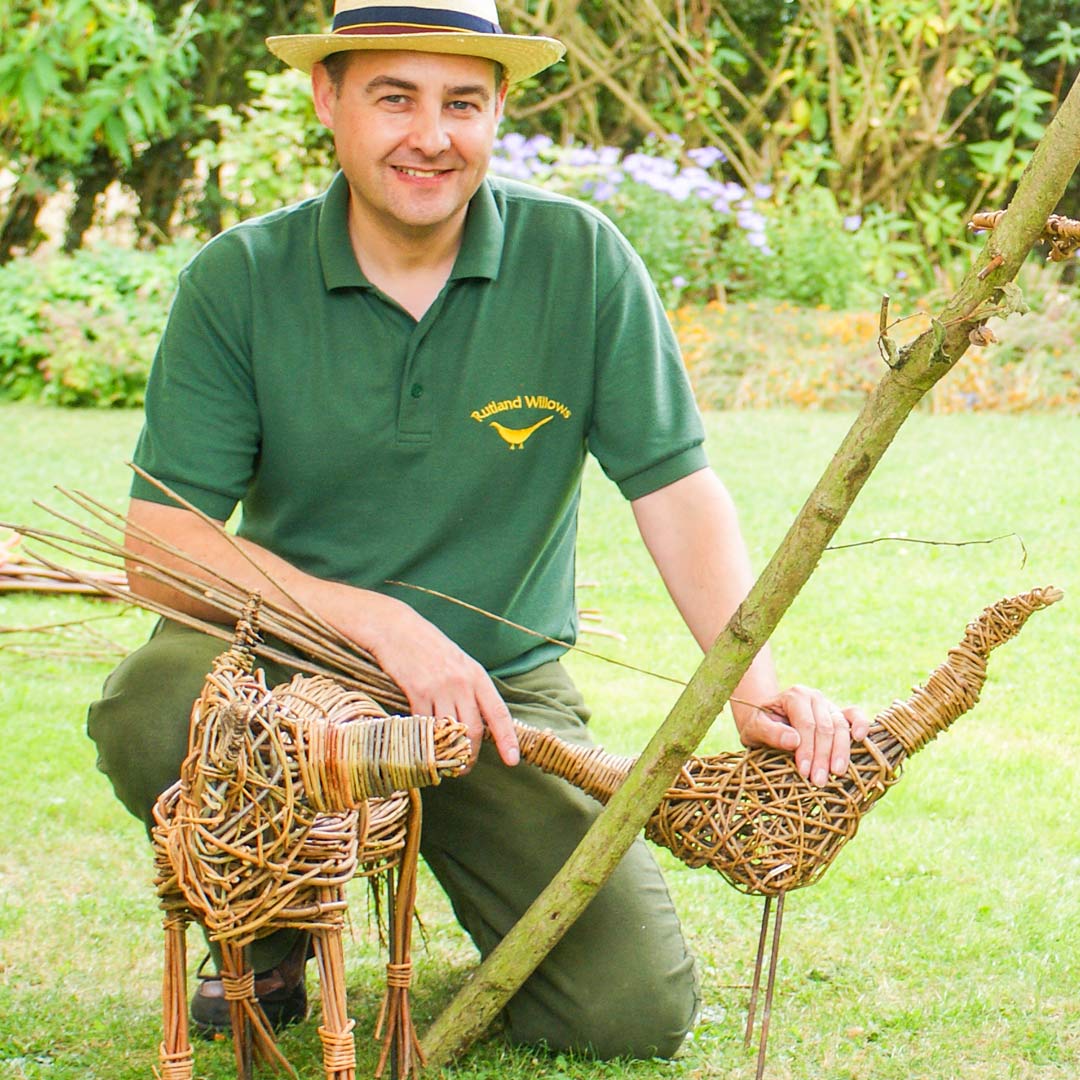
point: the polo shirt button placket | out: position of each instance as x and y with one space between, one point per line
415 420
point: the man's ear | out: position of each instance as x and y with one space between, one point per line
500 99
323 95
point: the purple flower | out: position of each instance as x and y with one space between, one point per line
514 168
511 143
580 156
536 145
751 221
701 183
852 222
706 156
679 282
638 166
763 191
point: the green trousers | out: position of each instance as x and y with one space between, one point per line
620 983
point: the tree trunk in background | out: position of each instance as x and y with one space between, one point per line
19 233
100 171
157 176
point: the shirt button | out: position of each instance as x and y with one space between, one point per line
417 390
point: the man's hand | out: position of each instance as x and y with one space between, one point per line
805 722
439 679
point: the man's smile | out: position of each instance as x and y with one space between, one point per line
425 174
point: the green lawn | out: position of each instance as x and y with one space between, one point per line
943 943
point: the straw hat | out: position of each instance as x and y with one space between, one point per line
459 27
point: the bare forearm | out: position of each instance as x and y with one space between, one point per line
692 532
162 539
691 529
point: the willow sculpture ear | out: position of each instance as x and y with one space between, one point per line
754 819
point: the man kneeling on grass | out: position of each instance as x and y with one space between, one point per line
398 380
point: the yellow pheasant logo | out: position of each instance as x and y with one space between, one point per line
515 437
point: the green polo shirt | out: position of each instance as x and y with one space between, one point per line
366 447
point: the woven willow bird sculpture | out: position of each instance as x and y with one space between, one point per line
284 795
753 818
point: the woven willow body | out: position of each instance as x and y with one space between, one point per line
284 796
751 816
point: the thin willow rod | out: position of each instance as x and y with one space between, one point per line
536 633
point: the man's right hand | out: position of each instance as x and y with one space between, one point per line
438 678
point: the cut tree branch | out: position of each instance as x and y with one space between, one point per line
918 367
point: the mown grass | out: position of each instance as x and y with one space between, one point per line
942 944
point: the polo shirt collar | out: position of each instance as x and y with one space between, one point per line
339 266
479 257
482 244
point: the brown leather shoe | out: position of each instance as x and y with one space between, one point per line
281 991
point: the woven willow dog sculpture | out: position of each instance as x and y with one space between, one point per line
285 794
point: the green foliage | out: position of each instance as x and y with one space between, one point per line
819 259
877 99
703 237
270 151
82 329
86 73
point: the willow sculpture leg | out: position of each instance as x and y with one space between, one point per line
250 1028
774 956
401 1047
336 1030
175 1054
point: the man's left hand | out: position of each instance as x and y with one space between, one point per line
807 723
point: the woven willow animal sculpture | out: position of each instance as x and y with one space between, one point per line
285 794
753 818
750 816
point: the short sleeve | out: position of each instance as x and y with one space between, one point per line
201 433
646 429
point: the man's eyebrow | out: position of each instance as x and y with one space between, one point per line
479 90
382 81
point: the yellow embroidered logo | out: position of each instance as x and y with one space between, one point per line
516 437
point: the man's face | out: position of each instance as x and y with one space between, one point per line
414 133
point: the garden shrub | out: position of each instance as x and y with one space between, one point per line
704 237
82 329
